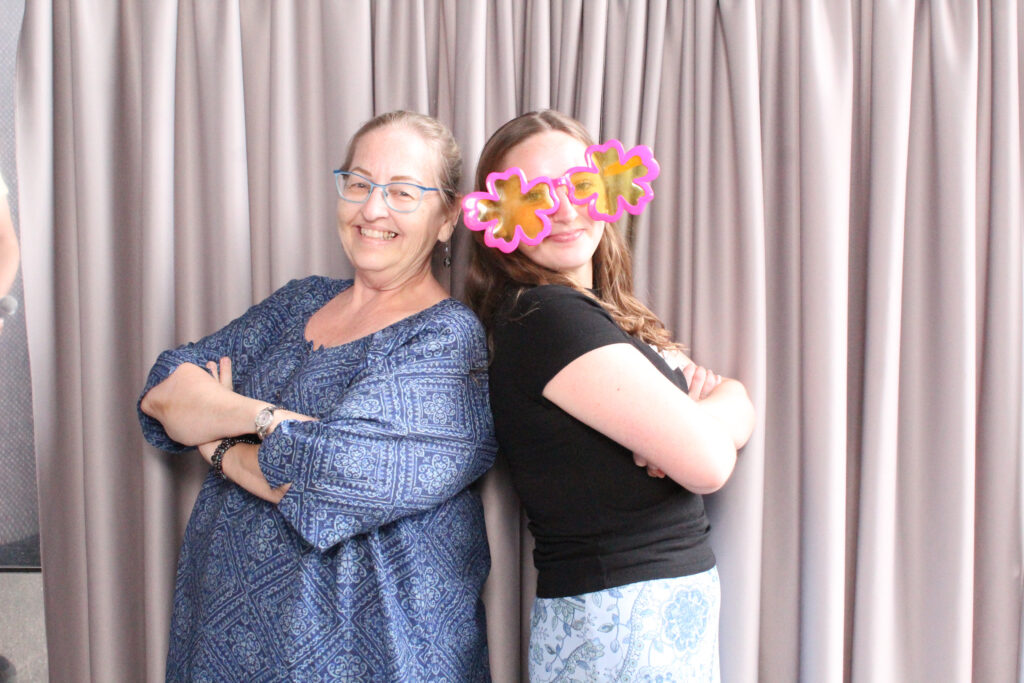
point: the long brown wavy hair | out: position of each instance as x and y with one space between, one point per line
493 275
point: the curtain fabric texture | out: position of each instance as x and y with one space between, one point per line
838 223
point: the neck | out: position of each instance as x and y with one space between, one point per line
582 276
366 288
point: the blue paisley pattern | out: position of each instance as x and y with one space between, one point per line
658 631
370 568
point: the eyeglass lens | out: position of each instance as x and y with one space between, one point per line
403 197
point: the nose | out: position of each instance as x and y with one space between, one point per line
375 206
566 210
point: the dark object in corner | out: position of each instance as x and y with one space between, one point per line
7 672
20 555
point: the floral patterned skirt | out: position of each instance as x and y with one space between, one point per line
662 630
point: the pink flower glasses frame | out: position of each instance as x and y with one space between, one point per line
515 209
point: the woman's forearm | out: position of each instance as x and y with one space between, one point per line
241 465
195 408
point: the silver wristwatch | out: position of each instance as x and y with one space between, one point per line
264 419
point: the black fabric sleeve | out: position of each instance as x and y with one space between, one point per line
547 328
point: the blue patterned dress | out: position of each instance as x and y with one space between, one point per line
370 568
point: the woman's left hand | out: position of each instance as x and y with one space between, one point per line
700 380
221 372
652 471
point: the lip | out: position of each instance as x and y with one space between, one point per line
565 237
379 235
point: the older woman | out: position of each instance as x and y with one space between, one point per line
337 536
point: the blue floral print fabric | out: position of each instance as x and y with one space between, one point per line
370 568
659 631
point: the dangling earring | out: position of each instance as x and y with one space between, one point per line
448 253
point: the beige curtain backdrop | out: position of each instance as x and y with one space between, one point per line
838 223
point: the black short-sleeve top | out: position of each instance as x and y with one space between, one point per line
599 521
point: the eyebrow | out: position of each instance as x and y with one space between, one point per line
394 178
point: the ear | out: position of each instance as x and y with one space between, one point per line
452 220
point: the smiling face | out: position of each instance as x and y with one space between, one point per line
388 248
570 247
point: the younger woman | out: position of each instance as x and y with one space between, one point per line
583 391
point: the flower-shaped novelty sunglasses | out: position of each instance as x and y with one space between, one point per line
515 208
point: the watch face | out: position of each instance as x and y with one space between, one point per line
263 420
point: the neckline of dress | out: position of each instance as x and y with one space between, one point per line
366 337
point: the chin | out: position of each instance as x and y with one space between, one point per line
568 262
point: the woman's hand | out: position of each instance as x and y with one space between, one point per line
652 471
243 469
221 372
196 406
700 380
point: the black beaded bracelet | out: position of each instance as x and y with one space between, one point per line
217 459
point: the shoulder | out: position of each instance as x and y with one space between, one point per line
455 320
547 306
551 295
452 312
446 330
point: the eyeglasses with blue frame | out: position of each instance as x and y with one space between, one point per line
400 197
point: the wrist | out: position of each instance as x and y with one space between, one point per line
264 421
217 459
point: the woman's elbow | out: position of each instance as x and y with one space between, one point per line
748 421
715 474
150 404
742 415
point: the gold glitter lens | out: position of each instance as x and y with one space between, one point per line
618 179
513 208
